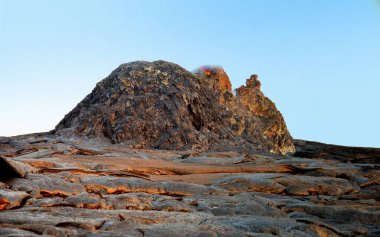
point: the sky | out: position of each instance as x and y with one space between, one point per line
318 60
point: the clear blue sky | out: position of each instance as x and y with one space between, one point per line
318 60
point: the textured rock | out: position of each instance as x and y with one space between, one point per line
85 200
252 183
217 178
216 80
111 185
300 185
38 185
112 190
270 126
130 201
10 199
348 214
333 152
161 105
10 168
16 232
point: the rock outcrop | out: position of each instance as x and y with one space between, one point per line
334 152
161 105
64 184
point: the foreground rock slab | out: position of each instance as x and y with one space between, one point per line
77 187
10 199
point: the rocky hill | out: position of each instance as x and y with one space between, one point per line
161 105
158 151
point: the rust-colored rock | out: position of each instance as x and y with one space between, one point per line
270 127
10 168
113 190
255 117
65 184
161 105
216 79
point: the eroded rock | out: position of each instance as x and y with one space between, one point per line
101 189
191 111
10 168
114 185
305 185
10 199
40 185
252 183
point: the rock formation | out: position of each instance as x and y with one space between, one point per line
63 184
79 187
161 105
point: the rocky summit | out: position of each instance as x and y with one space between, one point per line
161 105
156 150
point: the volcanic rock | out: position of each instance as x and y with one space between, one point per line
10 199
113 190
334 152
161 105
10 168
74 182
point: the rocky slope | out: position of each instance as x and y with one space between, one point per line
161 105
334 152
71 187
155 150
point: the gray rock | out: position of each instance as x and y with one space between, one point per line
11 168
191 111
128 192
114 185
304 185
10 199
252 183
40 185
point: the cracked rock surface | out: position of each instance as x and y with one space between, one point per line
78 187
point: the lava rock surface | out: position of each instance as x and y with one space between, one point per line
81 187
